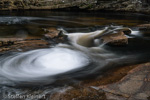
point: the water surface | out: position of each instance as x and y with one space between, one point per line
76 63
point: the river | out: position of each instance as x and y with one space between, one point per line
45 71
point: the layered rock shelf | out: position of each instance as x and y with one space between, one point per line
109 5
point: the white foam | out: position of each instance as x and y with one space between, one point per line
42 63
62 60
136 33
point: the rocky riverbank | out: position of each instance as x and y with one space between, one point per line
52 36
124 83
142 6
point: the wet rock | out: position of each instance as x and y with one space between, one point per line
133 86
54 36
19 4
117 39
51 33
79 94
111 5
5 49
30 44
130 86
7 41
145 29
21 44
144 25
124 83
90 89
111 96
141 96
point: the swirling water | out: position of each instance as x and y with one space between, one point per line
68 62
35 65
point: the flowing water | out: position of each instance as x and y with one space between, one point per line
44 71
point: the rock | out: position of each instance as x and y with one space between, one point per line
110 5
54 36
134 85
111 96
123 83
51 33
7 41
84 93
117 39
144 25
17 44
113 85
145 29
90 89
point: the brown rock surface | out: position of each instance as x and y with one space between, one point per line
134 86
124 83
84 93
144 25
53 36
18 44
145 29
111 5
51 33
116 39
